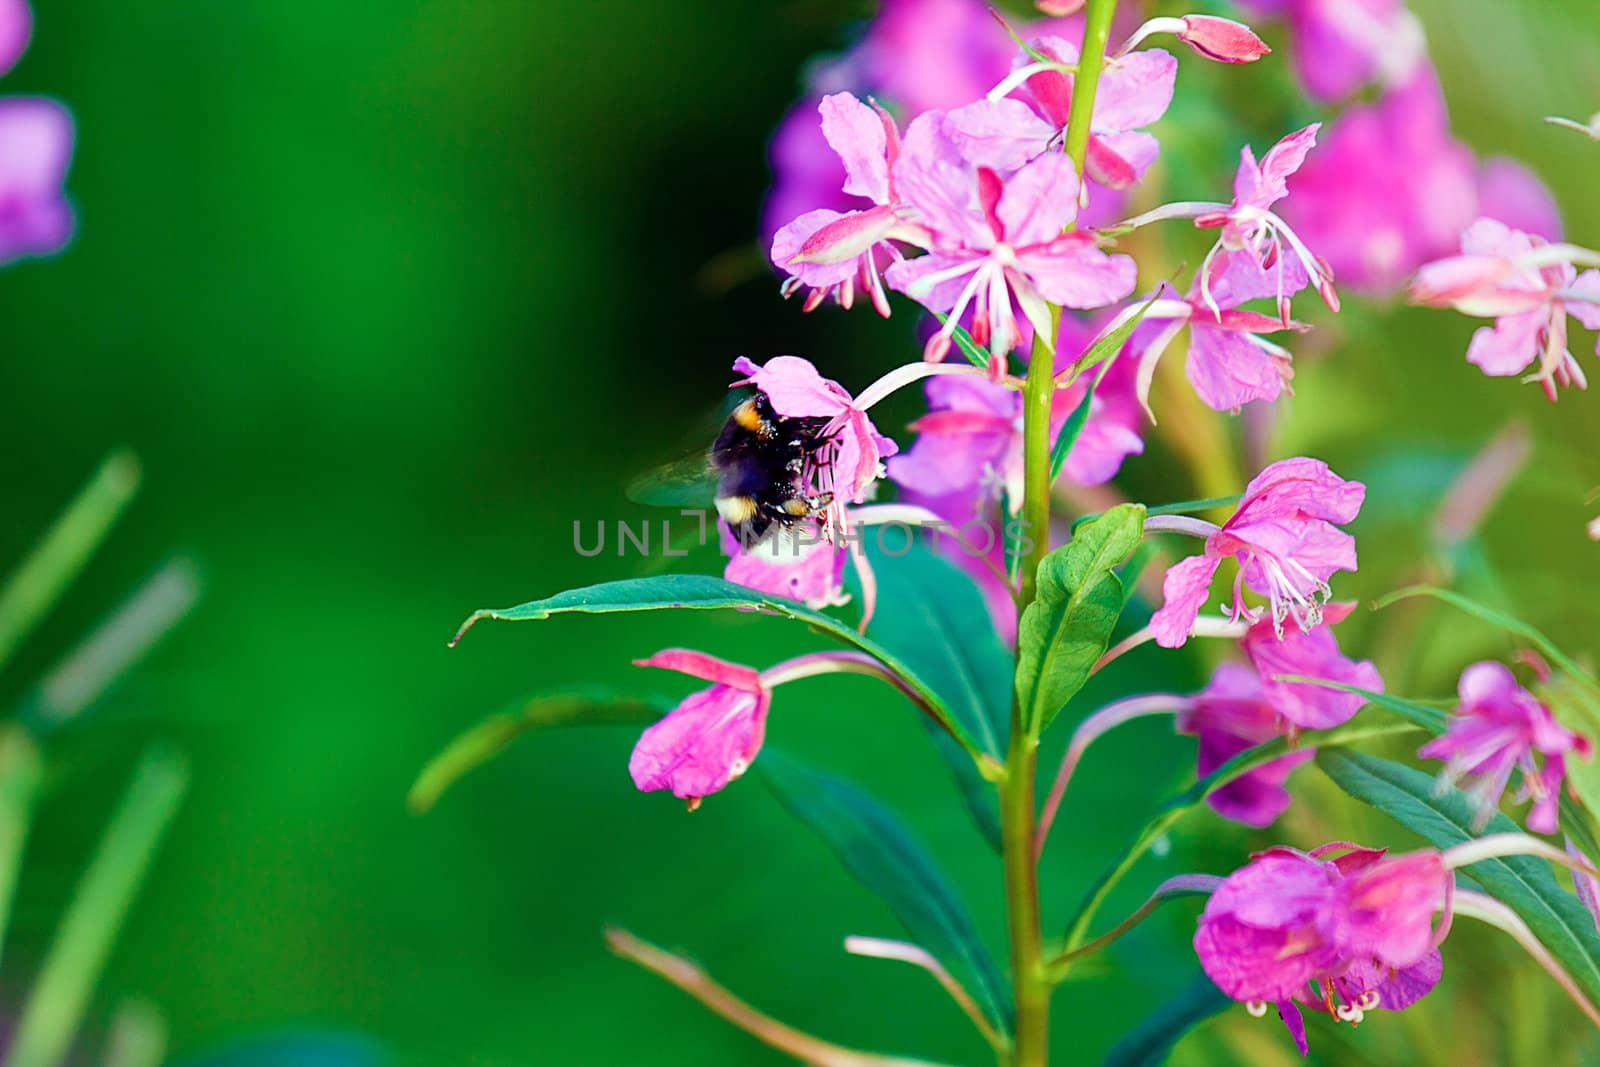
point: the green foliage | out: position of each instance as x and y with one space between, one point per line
877 849
933 617
493 735
703 592
1149 1043
1065 630
1525 884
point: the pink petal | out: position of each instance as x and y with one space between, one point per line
1227 370
1184 591
1510 345
705 667
1281 161
1003 134
1223 40
1039 201
931 176
1301 486
812 574
908 275
1511 193
1586 311
1134 91
1071 272
702 744
1104 164
824 248
794 387
857 134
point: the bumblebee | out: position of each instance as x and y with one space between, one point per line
760 461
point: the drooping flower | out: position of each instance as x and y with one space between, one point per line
1284 536
1309 654
838 253
1499 727
1349 934
1337 46
1134 92
1229 715
35 149
997 243
968 451
711 737
1249 225
1389 189
1528 287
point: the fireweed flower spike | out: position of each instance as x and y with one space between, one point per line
836 253
1529 287
1004 132
997 243
1284 536
1499 727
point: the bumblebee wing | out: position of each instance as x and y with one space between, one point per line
690 482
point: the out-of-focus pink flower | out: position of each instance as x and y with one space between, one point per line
997 243
16 26
852 457
806 173
35 150
1309 654
1528 287
1250 226
1499 727
1284 536
832 252
1228 716
1348 934
1134 92
930 55
1337 46
1389 189
710 738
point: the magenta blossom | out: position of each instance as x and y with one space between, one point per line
800 564
35 149
997 243
1348 934
711 737
1528 287
16 25
1336 46
1499 727
1309 654
1249 225
1284 536
806 173
1134 92
1389 189
832 252
1228 716
852 458
926 55
968 451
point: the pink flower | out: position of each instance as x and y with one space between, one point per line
1285 540
1389 189
1528 287
832 252
997 243
806 173
1339 45
16 26
1348 934
711 737
800 565
925 55
35 149
968 451
1134 92
1497 727
1309 654
1249 226
1229 715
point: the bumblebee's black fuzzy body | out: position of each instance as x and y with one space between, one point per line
759 459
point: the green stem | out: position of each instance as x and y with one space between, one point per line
1018 802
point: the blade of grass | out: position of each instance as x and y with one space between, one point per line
21 772
55 1005
61 554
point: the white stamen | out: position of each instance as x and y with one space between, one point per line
1256 1008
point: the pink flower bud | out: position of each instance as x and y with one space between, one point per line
1058 8
1221 39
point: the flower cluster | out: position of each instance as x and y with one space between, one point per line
1342 928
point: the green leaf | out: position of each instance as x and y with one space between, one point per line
933 617
880 853
1151 1042
1430 719
1106 348
1360 728
703 592
969 348
1184 507
1067 628
61 992
1525 884
492 736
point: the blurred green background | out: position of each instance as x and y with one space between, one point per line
385 294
